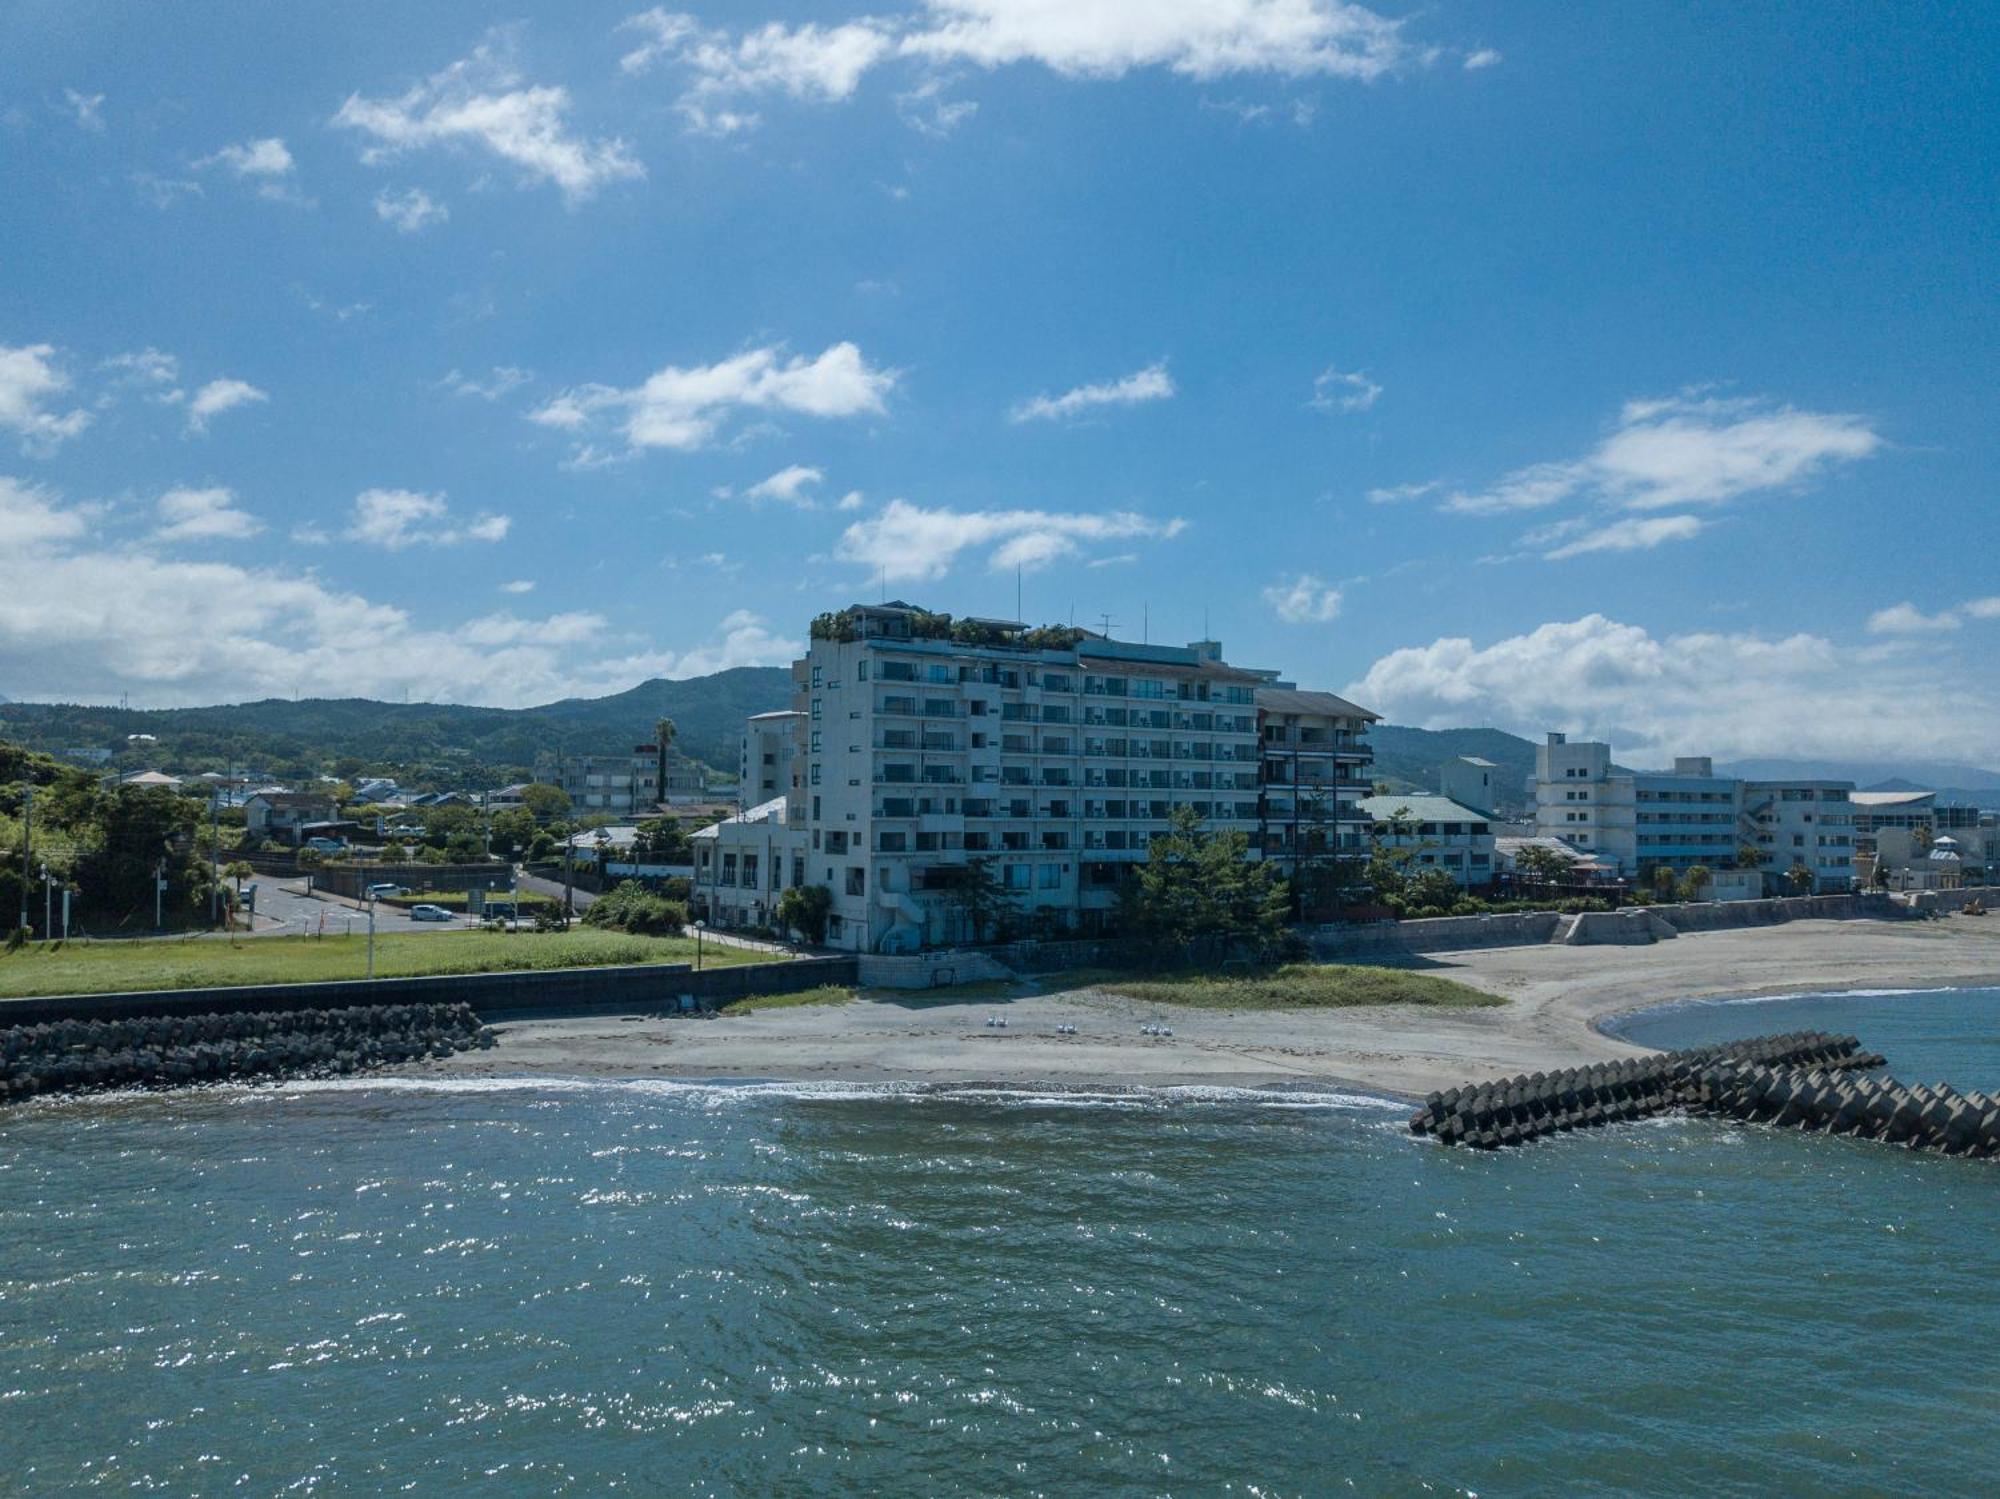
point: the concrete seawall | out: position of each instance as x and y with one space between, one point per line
551 991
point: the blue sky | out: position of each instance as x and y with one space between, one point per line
1623 368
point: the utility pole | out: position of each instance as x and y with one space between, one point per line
159 894
48 905
27 844
371 935
214 851
569 848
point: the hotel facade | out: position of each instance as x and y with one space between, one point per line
1057 754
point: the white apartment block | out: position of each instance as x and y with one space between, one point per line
770 751
1438 833
1802 824
625 784
1471 782
1642 820
1056 754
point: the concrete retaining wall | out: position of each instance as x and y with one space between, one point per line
565 990
930 970
1436 934
352 879
1947 900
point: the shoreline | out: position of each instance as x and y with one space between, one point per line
1558 999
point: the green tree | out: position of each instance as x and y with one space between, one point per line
1665 882
805 909
1542 865
1695 881
981 899
238 870
1749 856
545 803
1800 879
1200 886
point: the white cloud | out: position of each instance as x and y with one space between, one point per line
1344 393
1908 619
219 396
1685 451
31 517
683 408
397 519
1485 57
852 500
27 379
1729 695
481 101
909 541
166 192
1633 534
146 367
203 515
81 624
411 210
1201 39
808 62
787 484
1152 383
259 158
87 109
1304 600
519 585
267 163
1397 494
1986 608
504 379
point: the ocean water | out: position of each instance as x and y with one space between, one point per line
646 1288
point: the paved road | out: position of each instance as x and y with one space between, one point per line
535 884
286 911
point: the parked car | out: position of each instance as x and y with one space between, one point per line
327 845
381 892
429 913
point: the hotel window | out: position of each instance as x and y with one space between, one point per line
816 672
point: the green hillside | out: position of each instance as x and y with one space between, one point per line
459 745
317 734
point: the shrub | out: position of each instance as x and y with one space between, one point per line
630 907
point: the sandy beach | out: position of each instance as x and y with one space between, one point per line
1555 998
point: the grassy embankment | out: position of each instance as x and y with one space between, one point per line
1290 986
825 994
108 967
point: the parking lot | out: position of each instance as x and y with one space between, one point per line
285 910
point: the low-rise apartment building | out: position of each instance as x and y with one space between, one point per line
1643 820
624 784
1438 833
1806 824
1313 775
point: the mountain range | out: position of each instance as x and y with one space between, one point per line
464 744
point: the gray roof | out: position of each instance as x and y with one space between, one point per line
1291 700
1421 809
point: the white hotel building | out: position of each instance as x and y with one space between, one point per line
1055 753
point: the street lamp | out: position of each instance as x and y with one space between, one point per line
697 946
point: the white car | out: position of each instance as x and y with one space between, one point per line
430 913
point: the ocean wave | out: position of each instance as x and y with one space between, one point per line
725 1092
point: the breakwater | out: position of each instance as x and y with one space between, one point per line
1804 1079
70 1056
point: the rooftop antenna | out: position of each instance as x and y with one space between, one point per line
1017 590
1107 622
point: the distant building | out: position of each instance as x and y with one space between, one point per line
626 784
1804 824
1312 777
1584 867
89 754
1876 810
1644 820
1471 782
742 863
283 816
1438 833
770 752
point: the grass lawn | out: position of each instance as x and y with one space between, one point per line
191 963
825 994
1292 986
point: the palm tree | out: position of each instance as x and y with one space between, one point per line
663 739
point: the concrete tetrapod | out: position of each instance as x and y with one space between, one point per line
151 1051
